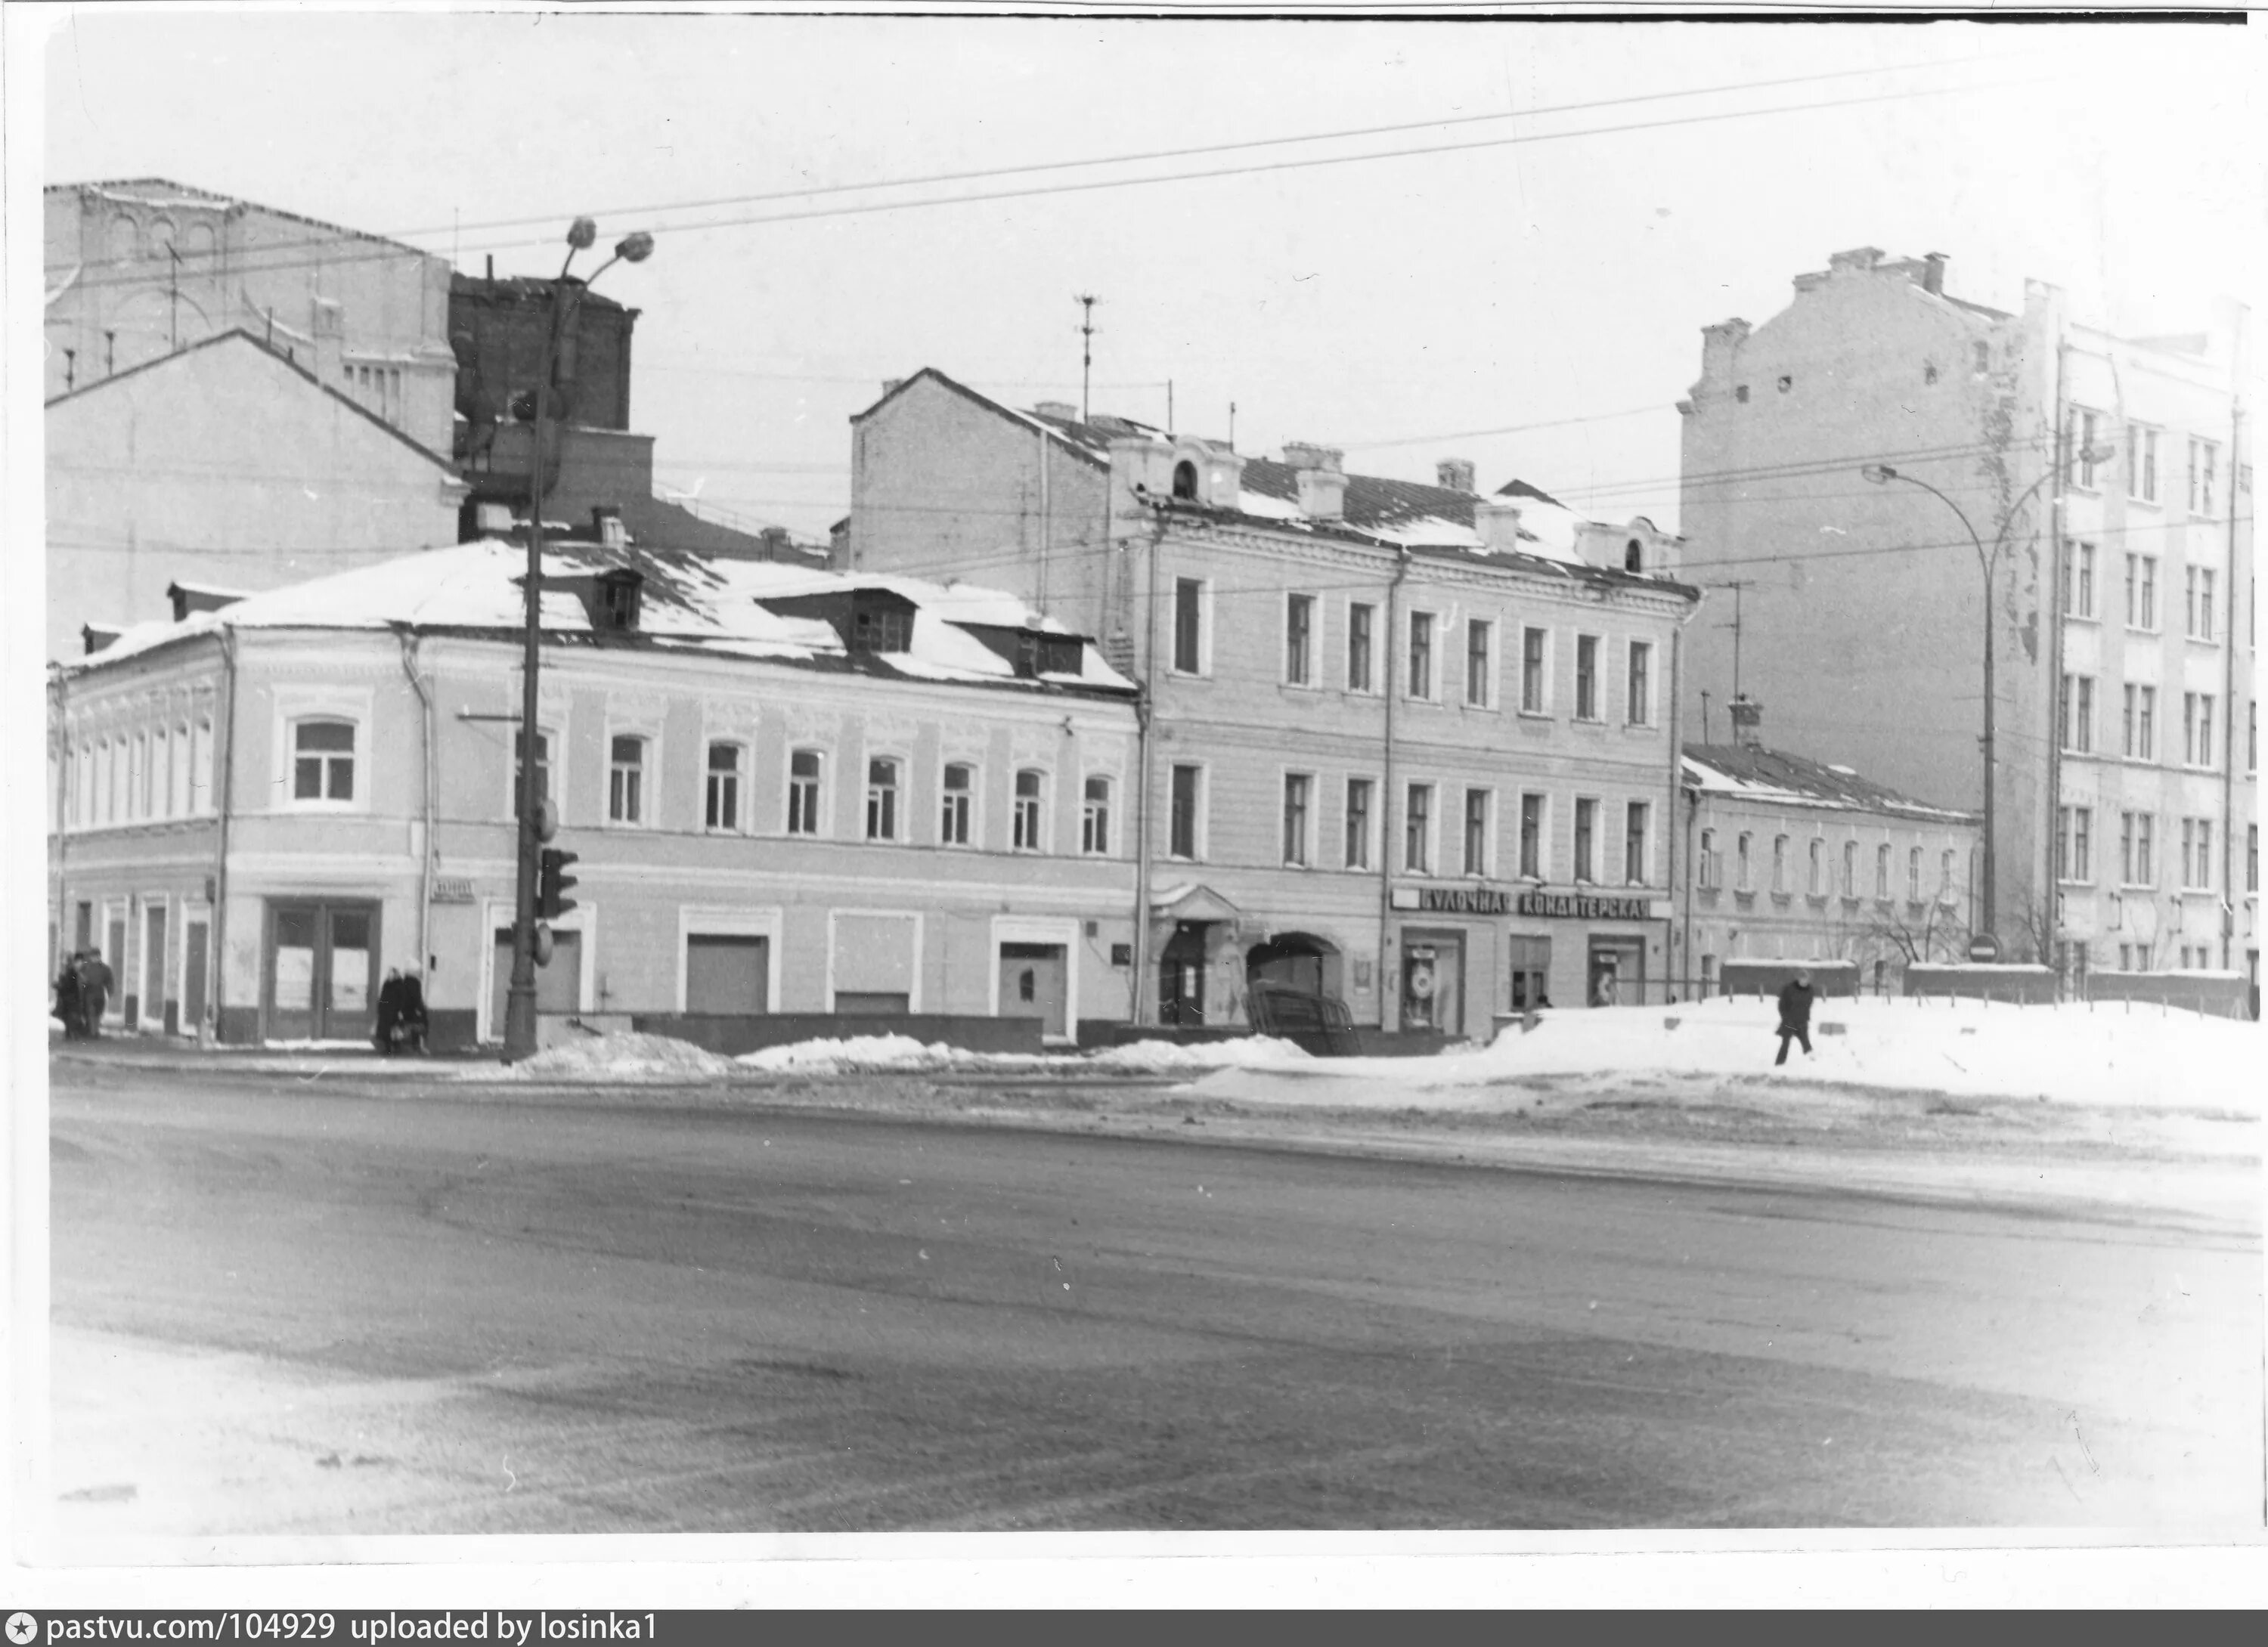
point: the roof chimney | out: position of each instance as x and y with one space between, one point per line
1457 473
1932 273
1061 410
606 526
1322 478
891 385
1497 523
1747 722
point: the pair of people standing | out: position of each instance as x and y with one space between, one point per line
83 995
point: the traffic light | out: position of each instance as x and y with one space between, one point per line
552 882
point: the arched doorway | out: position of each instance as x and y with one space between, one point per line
1294 960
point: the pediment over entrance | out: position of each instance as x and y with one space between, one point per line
1197 902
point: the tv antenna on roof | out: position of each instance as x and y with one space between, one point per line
1087 300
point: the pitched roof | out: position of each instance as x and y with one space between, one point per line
1747 772
143 190
275 355
713 605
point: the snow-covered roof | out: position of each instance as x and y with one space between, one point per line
690 602
1749 773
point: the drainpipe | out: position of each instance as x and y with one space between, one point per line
1044 545
408 639
2051 814
1145 759
224 789
1682 956
66 778
2228 699
1388 1023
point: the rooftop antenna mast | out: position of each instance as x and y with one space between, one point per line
1086 301
1734 626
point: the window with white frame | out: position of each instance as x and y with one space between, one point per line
1533 678
2078 713
722 808
2196 728
2203 457
2199 593
1586 677
1480 807
184 797
1586 840
1418 829
1531 837
882 783
200 765
1639 694
960 785
1421 655
1094 818
1744 863
1299 788
1189 625
1779 865
2196 853
1850 869
1300 640
1635 816
1362 619
1185 811
1883 872
1816 884
1707 863
2079 582
2141 463
1027 817
1913 874
1480 663
1945 875
1358 808
626 753
322 760
805 790
2135 865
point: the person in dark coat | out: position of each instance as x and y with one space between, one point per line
1795 1015
94 987
389 1011
409 1013
67 1000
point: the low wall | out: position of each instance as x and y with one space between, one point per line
2216 994
1768 978
2027 986
732 1034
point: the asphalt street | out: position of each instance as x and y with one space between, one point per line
418 1310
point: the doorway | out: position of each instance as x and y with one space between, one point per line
1617 972
1181 975
1293 960
193 942
1034 983
1528 961
154 1008
322 971
1433 982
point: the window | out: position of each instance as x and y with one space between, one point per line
1945 875
1913 875
1587 833
724 808
1586 677
1816 870
2252 737
200 767
2141 463
1638 697
876 627
1531 672
1634 858
322 760
2146 727
1025 834
2089 425
146 751
2197 852
1421 655
2196 728
2199 593
1531 836
1360 617
1707 863
1850 869
2126 720
1358 823
1418 830
959 783
2079 582
1478 803
2142 592
1480 663
2252 857
2071 842
1779 865
519 746
2201 464
1189 625
1094 818
1298 639
881 799
1744 865
2134 849
1297 787
2078 713
626 778
1181 819
1883 872
803 791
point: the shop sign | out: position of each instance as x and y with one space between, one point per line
452 889
1457 899
1574 906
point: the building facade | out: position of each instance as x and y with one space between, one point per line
1792 859
791 793
1407 744
1856 463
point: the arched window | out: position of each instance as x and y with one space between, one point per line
1094 818
1030 785
1185 481
180 804
1633 556
200 768
1882 872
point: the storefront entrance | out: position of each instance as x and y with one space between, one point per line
1181 975
1433 982
1617 972
1036 983
1528 961
321 971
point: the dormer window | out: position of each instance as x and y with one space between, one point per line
620 596
1185 482
881 622
1633 556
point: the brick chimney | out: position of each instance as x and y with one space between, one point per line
1322 477
1747 722
1455 473
1497 523
1061 409
1932 273
606 526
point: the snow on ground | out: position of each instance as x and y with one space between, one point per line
626 1056
1247 1052
2104 1057
903 1052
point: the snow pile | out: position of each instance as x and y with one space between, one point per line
1246 1052
2106 1057
875 1053
626 1056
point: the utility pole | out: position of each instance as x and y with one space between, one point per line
1704 717
1169 403
1087 350
1231 425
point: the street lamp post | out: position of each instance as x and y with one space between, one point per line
1987 560
519 997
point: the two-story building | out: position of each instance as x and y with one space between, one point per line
790 793
1788 858
1404 742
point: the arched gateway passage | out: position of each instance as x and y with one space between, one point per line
1294 960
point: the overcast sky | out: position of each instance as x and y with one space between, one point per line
1389 305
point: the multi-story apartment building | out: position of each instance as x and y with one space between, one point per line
1405 743
1795 859
791 793
1862 461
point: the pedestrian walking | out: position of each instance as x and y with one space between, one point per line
389 1012
1795 1015
67 999
95 983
